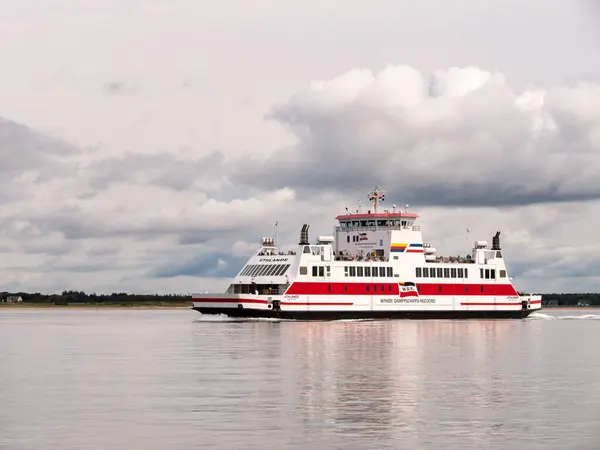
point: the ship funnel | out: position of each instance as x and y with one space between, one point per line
496 241
304 235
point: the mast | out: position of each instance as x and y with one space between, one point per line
375 197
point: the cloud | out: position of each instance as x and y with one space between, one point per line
462 146
461 136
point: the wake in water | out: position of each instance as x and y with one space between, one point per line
542 316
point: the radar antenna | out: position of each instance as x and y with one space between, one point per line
375 197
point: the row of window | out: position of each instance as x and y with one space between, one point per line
264 270
353 271
456 272
373 223
441 272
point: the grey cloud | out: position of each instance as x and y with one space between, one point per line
164 170
205 265
23 149
470 141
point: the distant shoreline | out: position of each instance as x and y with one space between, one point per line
92 306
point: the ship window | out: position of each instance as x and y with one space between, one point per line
306 249
345 271
374 288
446 272
314 271
271 270
502 273
255 270
389 288
466 273
382 271
246 270
374 272
498 254
396 275
481 273
359 271
367 271
395 257
282 270
390 272
321 271
425 272
460 273
382 288
493 274
453 273
487 274
348 238
303 270
440 272
266 270
418 272
367 287
352 271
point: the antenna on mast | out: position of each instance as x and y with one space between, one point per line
375 197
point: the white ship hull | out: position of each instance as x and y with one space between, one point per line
363 307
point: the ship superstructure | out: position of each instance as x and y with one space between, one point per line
376 265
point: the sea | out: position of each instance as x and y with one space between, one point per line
174 379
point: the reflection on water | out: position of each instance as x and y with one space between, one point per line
174 379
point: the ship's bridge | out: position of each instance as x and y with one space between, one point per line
367 234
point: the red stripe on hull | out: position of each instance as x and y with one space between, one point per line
229 300
386 288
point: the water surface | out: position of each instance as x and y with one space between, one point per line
158 379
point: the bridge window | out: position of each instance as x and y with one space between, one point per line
367 271
498 254
303 270
418 272
359 271
306 249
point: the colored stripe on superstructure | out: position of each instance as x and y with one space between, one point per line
386 288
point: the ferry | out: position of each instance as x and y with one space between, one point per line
376 265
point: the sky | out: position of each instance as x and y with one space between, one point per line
147 146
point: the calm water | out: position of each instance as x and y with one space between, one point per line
125 379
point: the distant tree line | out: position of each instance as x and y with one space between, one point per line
80 297
124 299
